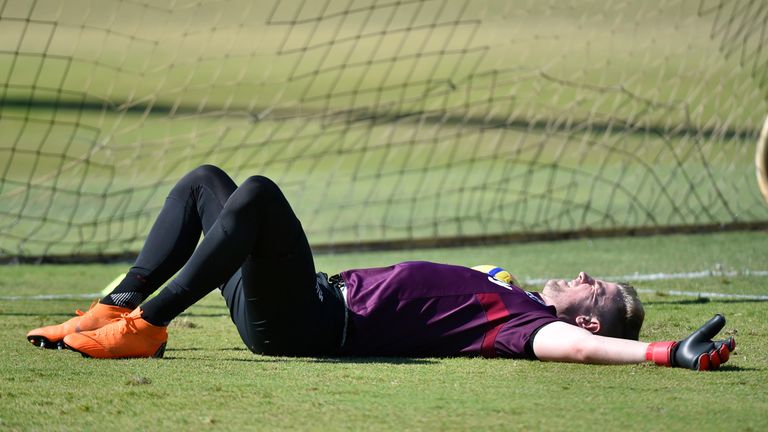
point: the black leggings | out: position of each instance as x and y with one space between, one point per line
255 250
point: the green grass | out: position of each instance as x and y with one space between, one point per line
208 381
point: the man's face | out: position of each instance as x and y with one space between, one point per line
579 295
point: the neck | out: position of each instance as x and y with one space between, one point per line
547 299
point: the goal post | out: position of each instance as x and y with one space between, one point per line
387 123
761 160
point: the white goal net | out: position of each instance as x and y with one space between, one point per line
387 123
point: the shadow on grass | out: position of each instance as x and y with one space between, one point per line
400 361
336 360
729 368
256 358
375 360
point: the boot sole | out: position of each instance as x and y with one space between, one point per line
44 342
158 354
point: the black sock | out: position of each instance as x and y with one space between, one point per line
130 293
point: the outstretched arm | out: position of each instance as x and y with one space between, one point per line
563 342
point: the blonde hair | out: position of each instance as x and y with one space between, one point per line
624 318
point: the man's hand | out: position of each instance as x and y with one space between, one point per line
697 351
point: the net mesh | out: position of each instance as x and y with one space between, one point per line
383 121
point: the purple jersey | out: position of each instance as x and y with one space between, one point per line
428 309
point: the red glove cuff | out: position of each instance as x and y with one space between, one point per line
660 353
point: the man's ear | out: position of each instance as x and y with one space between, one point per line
592 324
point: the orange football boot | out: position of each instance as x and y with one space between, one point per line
97 315
126 337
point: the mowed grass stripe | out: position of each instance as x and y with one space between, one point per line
210 381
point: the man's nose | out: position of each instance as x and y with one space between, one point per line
585 278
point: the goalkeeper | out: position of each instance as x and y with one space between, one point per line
255 250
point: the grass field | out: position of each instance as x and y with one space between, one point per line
209 381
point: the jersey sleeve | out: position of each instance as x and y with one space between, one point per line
515 339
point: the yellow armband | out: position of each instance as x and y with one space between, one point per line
497 273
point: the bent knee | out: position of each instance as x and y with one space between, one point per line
259 181
210 176
204 174
206 171
254 195
259 187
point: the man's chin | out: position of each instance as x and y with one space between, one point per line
552 286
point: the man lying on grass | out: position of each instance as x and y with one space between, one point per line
256 252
